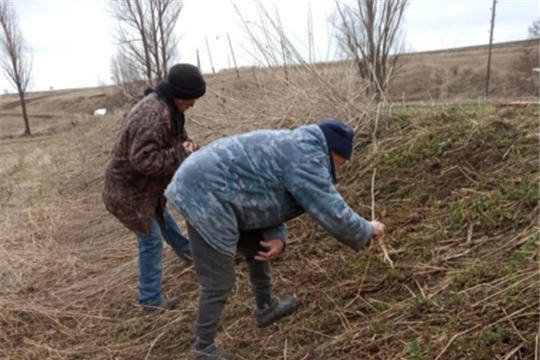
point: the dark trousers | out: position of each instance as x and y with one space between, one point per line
216 276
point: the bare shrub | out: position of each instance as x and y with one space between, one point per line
125 75
534 30
369 33
326 90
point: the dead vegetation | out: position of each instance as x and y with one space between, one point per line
453 76
460 74
457 188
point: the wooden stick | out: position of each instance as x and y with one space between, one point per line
454 338
537 346
358 294
373 194
374 134
513 325
511 353
385 252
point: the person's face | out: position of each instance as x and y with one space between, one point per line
339 161
183 104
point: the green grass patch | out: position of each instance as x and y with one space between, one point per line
476 272
524 256
413 349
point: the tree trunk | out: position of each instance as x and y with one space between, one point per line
144 38
154 48
163 36
25 115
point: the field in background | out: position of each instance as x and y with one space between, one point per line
457 188
437 76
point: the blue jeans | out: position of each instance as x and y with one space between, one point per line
150 257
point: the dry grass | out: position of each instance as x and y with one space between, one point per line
457 189
456 75
460 74
70 101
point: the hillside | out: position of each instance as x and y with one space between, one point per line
456 186
437 76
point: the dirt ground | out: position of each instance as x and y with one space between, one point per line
457 188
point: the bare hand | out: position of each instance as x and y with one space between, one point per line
188 148
274 246
378 228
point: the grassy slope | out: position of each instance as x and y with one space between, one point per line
458 190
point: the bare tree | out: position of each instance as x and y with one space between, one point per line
369 33
534 30
16 56
145 36
271 46
126 75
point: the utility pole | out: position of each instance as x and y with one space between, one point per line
234 58
310 33
210 55
198 60
490 46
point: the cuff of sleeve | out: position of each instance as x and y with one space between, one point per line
365 240
276 234
370 232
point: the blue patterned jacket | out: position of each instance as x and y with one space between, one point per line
260 180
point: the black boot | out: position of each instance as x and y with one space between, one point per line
212 352
276 311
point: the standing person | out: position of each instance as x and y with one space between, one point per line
236 195
151 145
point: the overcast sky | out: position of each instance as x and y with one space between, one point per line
72 41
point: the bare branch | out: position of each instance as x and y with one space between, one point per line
145 38
534 30
368 32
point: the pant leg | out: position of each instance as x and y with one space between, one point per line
174 237
260 272
216 276
150 265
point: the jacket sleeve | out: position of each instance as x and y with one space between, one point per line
276 232
148 152
310 184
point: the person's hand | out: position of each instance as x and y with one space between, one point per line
188 147
274 247
378 228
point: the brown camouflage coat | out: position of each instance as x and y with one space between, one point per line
146 155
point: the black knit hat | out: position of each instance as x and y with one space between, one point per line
339 137
185 82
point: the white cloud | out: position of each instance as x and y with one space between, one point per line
73 45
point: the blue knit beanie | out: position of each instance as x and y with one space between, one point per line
339 137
